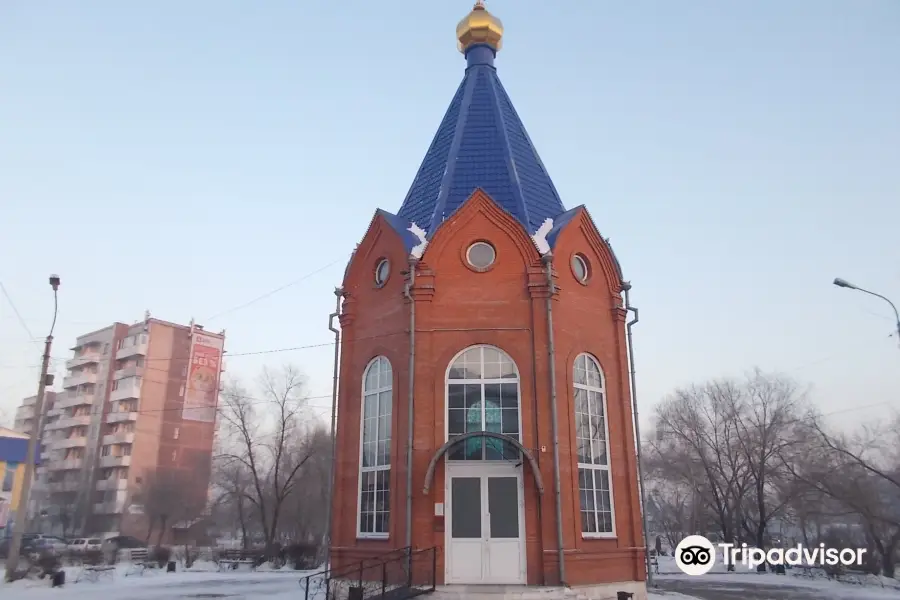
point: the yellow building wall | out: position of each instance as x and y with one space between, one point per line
17 484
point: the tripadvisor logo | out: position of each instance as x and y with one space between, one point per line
696 555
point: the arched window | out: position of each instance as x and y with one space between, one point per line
592 436
483 395
375 450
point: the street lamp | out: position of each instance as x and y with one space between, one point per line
846 284
12 558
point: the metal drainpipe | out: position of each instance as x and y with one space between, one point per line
537 454
407 291
626 287
554 419
339 294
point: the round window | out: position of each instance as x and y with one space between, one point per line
580 268
481 255
382 271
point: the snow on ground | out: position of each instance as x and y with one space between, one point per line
203 581
869 588
200 582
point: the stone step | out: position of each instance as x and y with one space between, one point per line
524 592
505 592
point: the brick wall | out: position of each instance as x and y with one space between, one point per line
457 307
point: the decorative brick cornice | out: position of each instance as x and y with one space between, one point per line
601 246
423 290
348 310
363 255
537 282
481 203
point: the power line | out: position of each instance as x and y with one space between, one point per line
832 357
276 290
16 311
229 355
252 401
215 316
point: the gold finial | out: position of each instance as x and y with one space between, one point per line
479 27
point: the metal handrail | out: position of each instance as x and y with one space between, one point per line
329 573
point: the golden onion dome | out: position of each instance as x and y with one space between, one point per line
479 27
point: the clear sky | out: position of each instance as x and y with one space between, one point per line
188 157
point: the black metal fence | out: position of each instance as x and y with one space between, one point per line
397 575
317 583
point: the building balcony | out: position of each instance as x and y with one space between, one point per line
77 379
108 508
67 422
70 442
136 350
129 371
115 461
126 391
118 438
60 487
66 465
95 338
84 359
108 485
121 416
70 400
25 412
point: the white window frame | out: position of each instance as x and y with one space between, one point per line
380 535
594 468
482 382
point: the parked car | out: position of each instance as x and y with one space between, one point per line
85 545
33 543
120 542
48 543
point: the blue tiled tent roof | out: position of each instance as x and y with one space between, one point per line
481 142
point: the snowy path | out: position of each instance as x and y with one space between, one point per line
770 587
284 585
162 586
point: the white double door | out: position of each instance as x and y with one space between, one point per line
485 528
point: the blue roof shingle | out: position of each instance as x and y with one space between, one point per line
481 143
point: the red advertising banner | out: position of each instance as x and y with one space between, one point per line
201 394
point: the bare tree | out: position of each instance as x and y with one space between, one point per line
232 504
697 445
64 512
861 474
264 442
166 497
765 417
305 509
670 511
724 440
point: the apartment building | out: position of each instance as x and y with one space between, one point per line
25 418
139 401
24 422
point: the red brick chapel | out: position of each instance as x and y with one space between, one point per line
487 308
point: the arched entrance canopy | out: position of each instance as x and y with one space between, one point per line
429 475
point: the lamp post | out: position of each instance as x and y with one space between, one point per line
12 558
846 284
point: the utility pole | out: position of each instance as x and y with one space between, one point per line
12 558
